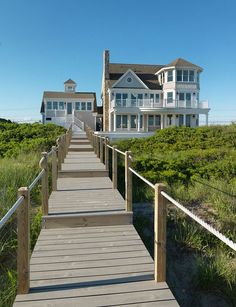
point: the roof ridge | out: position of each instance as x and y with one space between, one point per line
137 64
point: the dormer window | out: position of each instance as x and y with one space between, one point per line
170 75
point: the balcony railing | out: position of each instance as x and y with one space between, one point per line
165 103
55 113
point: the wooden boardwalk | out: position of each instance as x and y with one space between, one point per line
103 264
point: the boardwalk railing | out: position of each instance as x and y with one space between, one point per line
100 145
22 207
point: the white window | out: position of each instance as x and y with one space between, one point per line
157 98
179 75
133 121
185 76
154 120
49 105
61 105
55 105
77 106
121 99
169 119
89 106
83 106
181 96
191 76
170 75
157 120
150 120
169 97
121 121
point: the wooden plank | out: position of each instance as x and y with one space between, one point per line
94 291
97 250
97 280
82 166
91 272
145 298
84 245
87 220
89 264
89 257
85 173
96 230
87 240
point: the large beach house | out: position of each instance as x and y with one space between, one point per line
65 108
143 98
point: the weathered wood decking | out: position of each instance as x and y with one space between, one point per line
103 264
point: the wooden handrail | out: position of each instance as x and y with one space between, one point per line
159 234
128 182
22 207
159 209
23 243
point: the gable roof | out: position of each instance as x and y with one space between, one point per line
179 62
69 81
130 71
145 72
50 94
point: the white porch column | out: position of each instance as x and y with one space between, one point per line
114 121
110 121
184 123
166 121
129 122
162 121
207 119
138 122
173 120
95 122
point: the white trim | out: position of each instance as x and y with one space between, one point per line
135 76
164 69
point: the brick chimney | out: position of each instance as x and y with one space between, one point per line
106 60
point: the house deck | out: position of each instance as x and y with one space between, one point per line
88 252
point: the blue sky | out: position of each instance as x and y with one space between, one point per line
43 43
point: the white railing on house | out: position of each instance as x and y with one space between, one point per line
78 122
55 113
165 103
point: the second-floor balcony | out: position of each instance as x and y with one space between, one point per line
151 104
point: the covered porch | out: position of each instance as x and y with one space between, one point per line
148 122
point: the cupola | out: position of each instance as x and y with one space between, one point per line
70 86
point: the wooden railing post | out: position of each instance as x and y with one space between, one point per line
160 234
106 153
67 141
54 168
64 147
23 243
59 153
98 147
128 182
101 149
114 167
92 141
44 165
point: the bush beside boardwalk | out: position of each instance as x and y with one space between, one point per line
20 147
199 167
